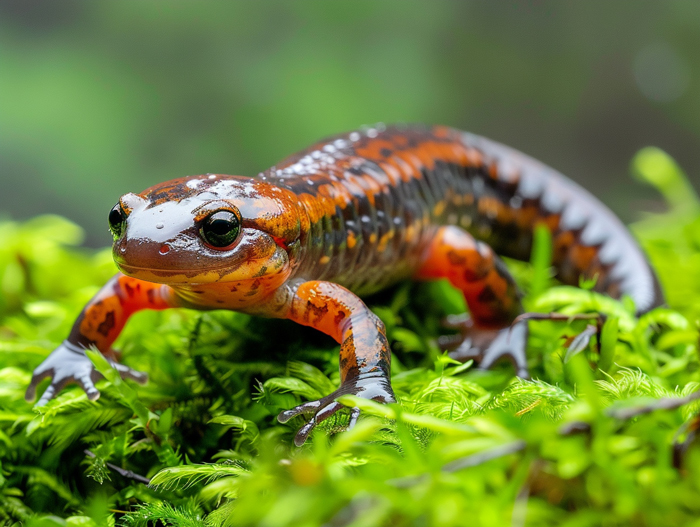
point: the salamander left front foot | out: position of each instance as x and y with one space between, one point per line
487 346
374 386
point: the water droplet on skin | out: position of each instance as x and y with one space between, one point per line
165 249
159 225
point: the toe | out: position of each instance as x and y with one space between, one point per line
306 408
38 376
354 415
327 411
303 433
49 394
87 384
129 373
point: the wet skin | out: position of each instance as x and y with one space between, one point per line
347 217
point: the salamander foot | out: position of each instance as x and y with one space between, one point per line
68 363
374 386
487 346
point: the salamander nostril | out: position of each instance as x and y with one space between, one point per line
165 249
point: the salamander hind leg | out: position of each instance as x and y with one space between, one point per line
364 350
490 332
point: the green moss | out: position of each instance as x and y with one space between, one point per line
463 446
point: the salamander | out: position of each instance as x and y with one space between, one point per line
348 216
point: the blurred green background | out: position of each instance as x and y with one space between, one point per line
102 98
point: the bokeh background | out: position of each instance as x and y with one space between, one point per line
102 98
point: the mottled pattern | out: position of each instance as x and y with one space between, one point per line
376 197
334 310
474 269
104 317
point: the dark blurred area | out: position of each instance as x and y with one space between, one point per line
102 98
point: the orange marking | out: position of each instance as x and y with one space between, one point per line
583 257
384 240
439 208
337 312
351 239
491 296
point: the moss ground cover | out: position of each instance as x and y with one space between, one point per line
602 436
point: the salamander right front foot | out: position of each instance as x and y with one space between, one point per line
374 386
68 363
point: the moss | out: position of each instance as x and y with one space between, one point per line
463 446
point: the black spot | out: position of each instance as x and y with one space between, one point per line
339 318
338 228
487 295
385 152
107 324
129 290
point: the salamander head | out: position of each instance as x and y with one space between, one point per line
206 229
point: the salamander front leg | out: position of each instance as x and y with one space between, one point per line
493 330
365 358
97 326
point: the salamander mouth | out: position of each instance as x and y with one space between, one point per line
175 276
247 269
131 269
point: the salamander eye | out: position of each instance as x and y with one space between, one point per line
117 219
220 229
